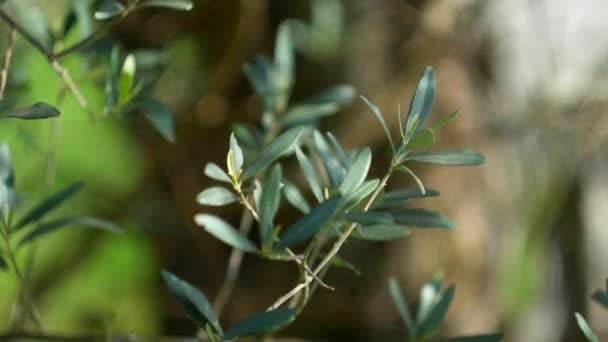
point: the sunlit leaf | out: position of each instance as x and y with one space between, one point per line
422 102
39 110
282 145
437 314
216 196
48 204
269 203
381 232
309 224
127 80
430 293
84 221
401 305
309 174
225 232
378 113
261 323
356 173
585 328
192 301
295 197
236 154
213 171
450 157
182 5
109 9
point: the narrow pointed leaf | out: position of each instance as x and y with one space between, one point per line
371 217
111 89
84 221
49 204
476 338
225 232
381 232
237 153
159 116
344 158
109 9
213 171
309 224
444 121
216 196
127 80
364 190
378 113
32 19
281 146
401 197
309 174
438 313
425 138
192 300
39 110
261 323
7 178
401 306
181 5
338 261
357 173
269 203
585 328
335 171
422 102
327 103
421 218
450 157
295 197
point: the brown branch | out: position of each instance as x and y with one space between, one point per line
8 53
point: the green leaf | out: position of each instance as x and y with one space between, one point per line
424 138
364 190
401 305
283 59
585 328
49 204
338 261
309 174
401 197
438 313
601 296
444 121
109 9
344 158
159 116
192 301
422 102
378 113
428 297
326 103
357 173
295 197
381 232
181 5
237 159
54 225
281 146
261 323
421 218
370 217
213 171
476 338
225 232
126 89
33 20
111 88
258 74
309 224
450 157
269 203
335 172
7 179
3 264
216 196
39 110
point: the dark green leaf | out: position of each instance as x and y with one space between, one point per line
401 197
49 204
54 225
381 232
3 264
215 172
328 102
294 197
309 174
216 196
421 218
39 110
356 173
225 232
112 79
269 203
258 74
401 305
450 157
192 301
443 121
159 116
425 138
476 338
378 113
437 314
601 296
335 171
422 102
309 224
181 5
338 261
371 217
282 145
261 323
109 9
585 328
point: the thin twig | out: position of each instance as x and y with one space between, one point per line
65 75
6 62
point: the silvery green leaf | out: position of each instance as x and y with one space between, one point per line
216 196
225 232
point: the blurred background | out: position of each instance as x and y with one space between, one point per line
529 78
